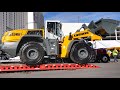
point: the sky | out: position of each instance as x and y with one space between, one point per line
80 17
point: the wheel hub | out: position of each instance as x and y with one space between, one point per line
32 54
104 58
82 53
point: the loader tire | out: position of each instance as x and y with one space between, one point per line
92 52
80 53
92 58
32 53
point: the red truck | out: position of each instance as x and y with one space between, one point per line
102 55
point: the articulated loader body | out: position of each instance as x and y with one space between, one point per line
33 45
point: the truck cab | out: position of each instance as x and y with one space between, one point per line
53 29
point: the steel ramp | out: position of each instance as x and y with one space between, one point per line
44 67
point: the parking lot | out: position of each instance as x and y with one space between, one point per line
106 70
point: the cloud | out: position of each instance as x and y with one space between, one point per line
83 17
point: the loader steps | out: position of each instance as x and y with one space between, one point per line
43 67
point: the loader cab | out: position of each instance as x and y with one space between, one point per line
53 29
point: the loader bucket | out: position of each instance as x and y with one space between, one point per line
103 27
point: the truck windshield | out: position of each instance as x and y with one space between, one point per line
55 28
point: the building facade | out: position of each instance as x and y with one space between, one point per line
20 20
35 20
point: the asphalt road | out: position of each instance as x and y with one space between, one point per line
106 70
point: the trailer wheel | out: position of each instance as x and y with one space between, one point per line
80 53
32 53
105 58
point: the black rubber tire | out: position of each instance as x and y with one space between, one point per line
105 58
75 50
92 58
4 57
90 48
59 60
25 50
46 61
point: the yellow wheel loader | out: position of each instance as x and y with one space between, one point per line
34 45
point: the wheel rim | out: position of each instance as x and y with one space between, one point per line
82 53
105 58
32 54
